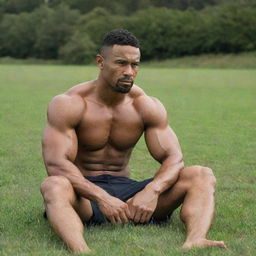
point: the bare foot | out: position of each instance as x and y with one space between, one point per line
204 243
83 251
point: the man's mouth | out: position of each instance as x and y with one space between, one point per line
126 81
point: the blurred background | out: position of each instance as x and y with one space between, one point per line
70 31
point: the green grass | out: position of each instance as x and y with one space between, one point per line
212 111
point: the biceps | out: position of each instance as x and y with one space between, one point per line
59 145
162 143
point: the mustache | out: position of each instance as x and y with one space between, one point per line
125 79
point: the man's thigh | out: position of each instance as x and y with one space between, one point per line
172 198
166 204
83 208
58 190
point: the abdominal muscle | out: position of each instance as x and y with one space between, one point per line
103 161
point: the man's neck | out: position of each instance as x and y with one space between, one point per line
106 95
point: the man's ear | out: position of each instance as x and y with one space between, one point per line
100 61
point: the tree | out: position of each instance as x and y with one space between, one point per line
14 6
17 35
231 28
183 4
165 33
80 49
97 23
86 6
55 28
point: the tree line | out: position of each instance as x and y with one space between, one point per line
72 30
115 6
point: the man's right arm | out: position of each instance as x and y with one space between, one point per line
60 149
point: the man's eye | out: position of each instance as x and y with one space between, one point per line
135 64
121 62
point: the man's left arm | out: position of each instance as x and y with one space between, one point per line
164 147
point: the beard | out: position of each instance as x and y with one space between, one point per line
123 88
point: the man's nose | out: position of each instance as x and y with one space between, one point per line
128 71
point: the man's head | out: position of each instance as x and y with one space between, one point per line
119 59
119 37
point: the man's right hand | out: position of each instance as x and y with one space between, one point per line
115 210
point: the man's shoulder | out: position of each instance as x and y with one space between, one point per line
73 98
81 90
66 102
142 101
69 106
139 96
150 108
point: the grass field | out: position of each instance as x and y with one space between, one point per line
212 111
244 60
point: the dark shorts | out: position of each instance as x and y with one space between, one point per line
117 186
120 187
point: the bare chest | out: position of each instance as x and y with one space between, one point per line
100 126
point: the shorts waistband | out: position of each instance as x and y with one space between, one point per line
106 177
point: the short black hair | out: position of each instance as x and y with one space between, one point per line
120 37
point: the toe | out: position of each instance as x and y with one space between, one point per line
204 243
220 244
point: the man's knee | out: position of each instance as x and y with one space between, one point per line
197 174
56 187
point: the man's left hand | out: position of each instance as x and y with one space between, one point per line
142 205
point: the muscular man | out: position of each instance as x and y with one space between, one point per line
91 132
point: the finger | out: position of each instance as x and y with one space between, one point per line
144 217
123 217
137 217
118 219
131 211
127 212
149 215
112 219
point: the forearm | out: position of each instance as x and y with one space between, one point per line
81 185
167 175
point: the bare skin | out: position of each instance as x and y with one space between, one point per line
92 130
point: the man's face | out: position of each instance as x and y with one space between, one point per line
119 66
